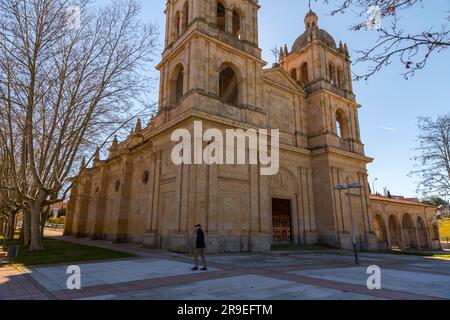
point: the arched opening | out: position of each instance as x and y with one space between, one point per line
341 124
236 24
177 84
331 74
145 177
304 74
221 17
380 231
176 26
409 232
185 16
435 232
394 232
339 78
228 87
179 88
293 74
422 233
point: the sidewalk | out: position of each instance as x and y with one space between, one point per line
17 285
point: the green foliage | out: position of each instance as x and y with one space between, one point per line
435 201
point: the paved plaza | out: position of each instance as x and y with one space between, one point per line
278 275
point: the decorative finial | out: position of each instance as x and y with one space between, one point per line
97 154
138 128
115 143
83 163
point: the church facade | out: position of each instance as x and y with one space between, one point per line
211 71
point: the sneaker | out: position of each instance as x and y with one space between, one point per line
204 269
194 269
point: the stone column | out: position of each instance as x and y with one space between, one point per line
101 205
124 202
71 206
151 220
84 207
229 21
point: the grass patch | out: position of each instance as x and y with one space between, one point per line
418 253
57 251
294 246
444 228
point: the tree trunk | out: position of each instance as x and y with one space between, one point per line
10 227
2 226
26 227
44 215
36 240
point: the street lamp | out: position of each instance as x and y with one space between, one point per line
348 187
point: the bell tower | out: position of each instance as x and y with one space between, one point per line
322 68
211 59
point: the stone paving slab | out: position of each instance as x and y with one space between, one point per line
428 284
245 287
15 285
96 274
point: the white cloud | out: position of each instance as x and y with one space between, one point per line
389 129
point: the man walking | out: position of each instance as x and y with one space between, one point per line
199 247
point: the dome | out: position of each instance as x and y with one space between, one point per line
323 35
312 28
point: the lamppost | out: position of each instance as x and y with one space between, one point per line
373 186
349 187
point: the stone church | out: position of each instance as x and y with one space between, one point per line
211 71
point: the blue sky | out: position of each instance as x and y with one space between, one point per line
390 104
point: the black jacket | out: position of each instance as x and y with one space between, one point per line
200 241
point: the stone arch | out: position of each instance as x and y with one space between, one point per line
342 124
435 228
331 73
237 19
221 16
380 230
339 81
176 26
409 231
283 183
282 197
304 73
177 84
293 74
185 16
230 84
394 232
422 233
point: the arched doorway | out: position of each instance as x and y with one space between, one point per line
380 231
283 190
409 232
394 232
422 233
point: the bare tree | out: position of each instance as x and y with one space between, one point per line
413 49
433 163
66 82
